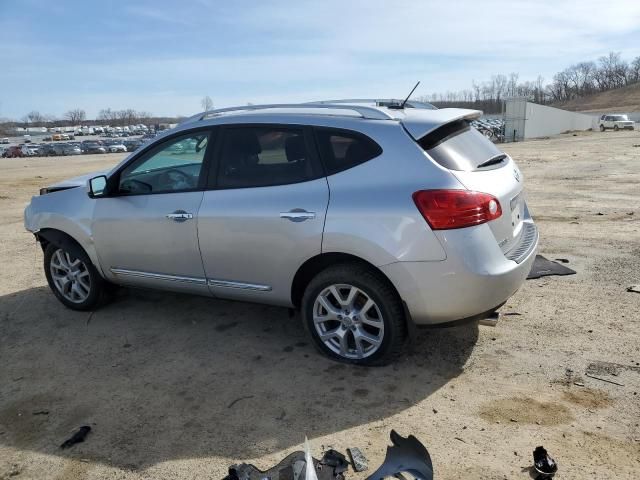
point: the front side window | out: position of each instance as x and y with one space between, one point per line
173 166
264 156
341 149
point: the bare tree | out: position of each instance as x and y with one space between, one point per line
207 103
76 116
35 117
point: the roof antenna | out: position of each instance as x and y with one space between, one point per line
401 106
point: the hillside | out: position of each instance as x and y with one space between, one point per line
625 99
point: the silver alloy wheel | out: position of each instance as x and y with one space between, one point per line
70 276
348 321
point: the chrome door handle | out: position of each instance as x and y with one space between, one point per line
180 216
298 215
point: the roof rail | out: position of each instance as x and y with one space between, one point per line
364 111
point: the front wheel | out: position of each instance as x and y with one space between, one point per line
74 281
602 128
354 315
616 128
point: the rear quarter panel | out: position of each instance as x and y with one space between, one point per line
371 212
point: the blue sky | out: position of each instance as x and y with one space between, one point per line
164 56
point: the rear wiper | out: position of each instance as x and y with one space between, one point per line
493 161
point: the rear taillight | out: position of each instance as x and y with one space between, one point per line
445 209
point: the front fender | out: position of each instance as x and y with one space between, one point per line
68 211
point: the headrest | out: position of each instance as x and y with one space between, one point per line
295 148
244 141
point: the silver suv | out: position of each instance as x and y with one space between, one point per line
369 219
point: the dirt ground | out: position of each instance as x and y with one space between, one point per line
179 387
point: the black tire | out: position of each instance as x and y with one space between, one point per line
378 289
602 128
616 128
97 293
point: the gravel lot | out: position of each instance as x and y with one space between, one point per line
182 387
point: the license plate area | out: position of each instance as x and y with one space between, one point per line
517 210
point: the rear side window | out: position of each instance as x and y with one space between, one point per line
264 156
459 146
342 149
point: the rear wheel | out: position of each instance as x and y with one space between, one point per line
354 315
74 281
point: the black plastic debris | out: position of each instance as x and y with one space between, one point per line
335 460
358 461
544 464
293 467
543 267
407 455
77 437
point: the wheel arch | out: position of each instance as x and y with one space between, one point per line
315 265
53 236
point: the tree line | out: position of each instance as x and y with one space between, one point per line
584 78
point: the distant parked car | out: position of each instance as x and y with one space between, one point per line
46 150
93 147
29 150
13 152
4 140
64 136
114 146
71 150
47 138
132 145
616 122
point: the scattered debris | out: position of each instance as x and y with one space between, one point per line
406 455
294 467
599 213
490 321
562 260
578 384
604 380
544 464
336 460
41 412
238 399
358 461
543 267
459 439
634 289
77 437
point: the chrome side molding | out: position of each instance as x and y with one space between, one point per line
123 272
239 285
157 276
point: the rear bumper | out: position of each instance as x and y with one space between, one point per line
475 278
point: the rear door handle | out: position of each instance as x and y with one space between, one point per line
180 216
298 215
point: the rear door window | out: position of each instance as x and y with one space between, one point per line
344 149
459 146
260 156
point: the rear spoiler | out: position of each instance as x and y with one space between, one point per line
418 122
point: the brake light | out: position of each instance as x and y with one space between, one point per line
446 209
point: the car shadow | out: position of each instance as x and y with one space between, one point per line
162 376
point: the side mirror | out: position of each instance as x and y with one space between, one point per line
97 186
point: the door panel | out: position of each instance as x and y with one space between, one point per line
265 213
244 238
146 231
134 237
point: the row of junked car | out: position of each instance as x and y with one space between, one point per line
71 148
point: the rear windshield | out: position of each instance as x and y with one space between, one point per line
459 146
